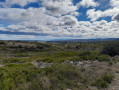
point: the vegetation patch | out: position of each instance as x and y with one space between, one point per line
74 65
104 81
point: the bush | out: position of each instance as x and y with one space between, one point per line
101 83
103 58
104 81
14 75
111 49
93 55
63 75
108 77
16 60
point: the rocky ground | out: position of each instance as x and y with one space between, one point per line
87 65
115 83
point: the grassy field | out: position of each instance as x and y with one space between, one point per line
58 65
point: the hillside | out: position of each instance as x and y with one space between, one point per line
33 65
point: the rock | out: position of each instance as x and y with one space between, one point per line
35 63
76 63
68 89
66 62
87 65
71 62
79 63
41 64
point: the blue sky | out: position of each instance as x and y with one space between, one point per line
58 19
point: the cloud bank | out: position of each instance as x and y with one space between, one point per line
58 18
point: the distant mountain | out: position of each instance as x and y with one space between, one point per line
73 40
86 40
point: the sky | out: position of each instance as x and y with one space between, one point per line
58 19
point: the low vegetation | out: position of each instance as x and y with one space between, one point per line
111 49
71 65
104 81
60 76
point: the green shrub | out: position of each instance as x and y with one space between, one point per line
13 75
108 78
104 81
111 49
100 83
103 58
47 60
15 60
110 63
63 75
21 55
93 55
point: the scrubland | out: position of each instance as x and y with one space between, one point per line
31 65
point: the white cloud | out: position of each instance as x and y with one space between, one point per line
59 7
74 13
88 3
22 14
22 3
116 17
16 37
114 3
68 21
57 18
84 29
94 15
